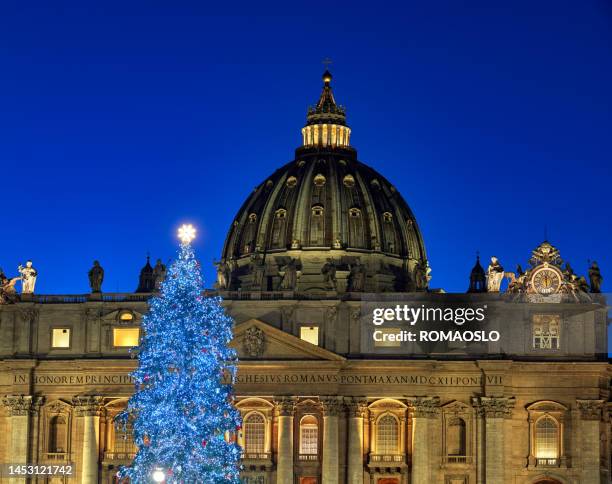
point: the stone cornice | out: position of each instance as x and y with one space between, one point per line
590 409
494 407
88 405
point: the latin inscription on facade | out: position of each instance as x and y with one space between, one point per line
279 379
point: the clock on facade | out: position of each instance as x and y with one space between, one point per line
546 281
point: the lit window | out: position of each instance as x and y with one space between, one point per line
309 435
254 434
349 181
546 329
317 211
546 438
310 334
388 338
60 338
387 435
125 337
126 316
319 180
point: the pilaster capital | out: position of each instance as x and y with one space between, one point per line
424 407
590 409
93 313
28 314
356 406
88 405
21 405
331 405
494 407
285 406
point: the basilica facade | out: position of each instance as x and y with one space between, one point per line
324 401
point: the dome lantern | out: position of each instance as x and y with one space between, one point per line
326 121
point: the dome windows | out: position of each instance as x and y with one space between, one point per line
349 181
356 228
248 237
291 182
317 226
319 180
389 234
279 229
317 211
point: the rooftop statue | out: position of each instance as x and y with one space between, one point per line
96 277
495 274
28 277
290 276
595 278
8 293
224 275
357 277
329 274
159 273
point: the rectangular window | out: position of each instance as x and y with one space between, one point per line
60 338
310 334
387 338
546 331
125 337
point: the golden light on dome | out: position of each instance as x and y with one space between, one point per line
186 233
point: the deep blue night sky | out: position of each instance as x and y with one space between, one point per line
119 122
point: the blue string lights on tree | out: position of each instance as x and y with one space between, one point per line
182 412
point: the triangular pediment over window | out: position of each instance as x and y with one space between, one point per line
256 340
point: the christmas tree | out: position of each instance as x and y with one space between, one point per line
182 415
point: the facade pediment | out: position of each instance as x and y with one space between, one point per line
256 340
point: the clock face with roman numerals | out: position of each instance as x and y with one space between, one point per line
546 281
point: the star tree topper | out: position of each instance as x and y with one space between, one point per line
187 233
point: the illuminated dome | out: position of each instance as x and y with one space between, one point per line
328 215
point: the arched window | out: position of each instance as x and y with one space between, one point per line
279 228
317 225
254 433
356 229
389 233
124 440
547 439
309 435
248 237
387 435
456 437
58 433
